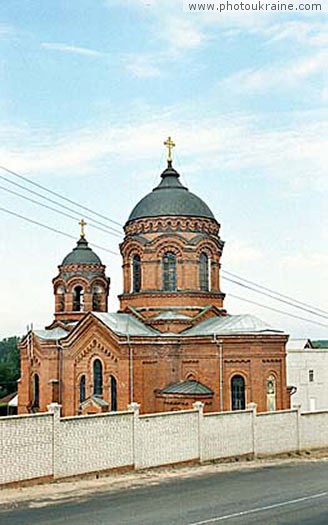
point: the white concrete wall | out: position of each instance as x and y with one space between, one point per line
41 445
165 438
26 450
310 395
313 430
227 434
276 432
95 442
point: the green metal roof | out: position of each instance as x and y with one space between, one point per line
186 387
81 254
170 197
232 324
319 343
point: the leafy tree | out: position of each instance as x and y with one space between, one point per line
9 365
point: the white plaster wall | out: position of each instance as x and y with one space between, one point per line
25 447
166 438
314 430
227 434
310 395
276 432
94 442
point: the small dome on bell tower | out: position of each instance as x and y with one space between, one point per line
81 285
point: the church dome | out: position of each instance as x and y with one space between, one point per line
170 197
81 254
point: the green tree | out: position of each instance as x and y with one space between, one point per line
9 365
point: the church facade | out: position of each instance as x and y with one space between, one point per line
172 342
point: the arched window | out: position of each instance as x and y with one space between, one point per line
82 389
203 272
36 391
78 299
136 273
113 394
237 393
97 378
169 272
96 298
271 393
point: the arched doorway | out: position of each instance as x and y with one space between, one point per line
238 393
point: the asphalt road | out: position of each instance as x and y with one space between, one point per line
287 494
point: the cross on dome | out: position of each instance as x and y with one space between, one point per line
82 223
170 145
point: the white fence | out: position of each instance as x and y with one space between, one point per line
45 445
26 447
161 441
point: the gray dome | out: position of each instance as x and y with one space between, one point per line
170 198
81 254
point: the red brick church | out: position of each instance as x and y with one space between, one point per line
172 342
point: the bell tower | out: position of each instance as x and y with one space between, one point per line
81 285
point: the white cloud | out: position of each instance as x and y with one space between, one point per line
310 262
238 253
6 31
181 33
66 48
296 152
142 66
298 31
280 75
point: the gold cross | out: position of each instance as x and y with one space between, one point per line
170 145
82 223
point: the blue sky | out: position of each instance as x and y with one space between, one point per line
89 89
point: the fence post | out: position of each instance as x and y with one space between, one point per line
54 408
135 408
298 427
199 406
253 406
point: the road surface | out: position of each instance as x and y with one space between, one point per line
296 493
